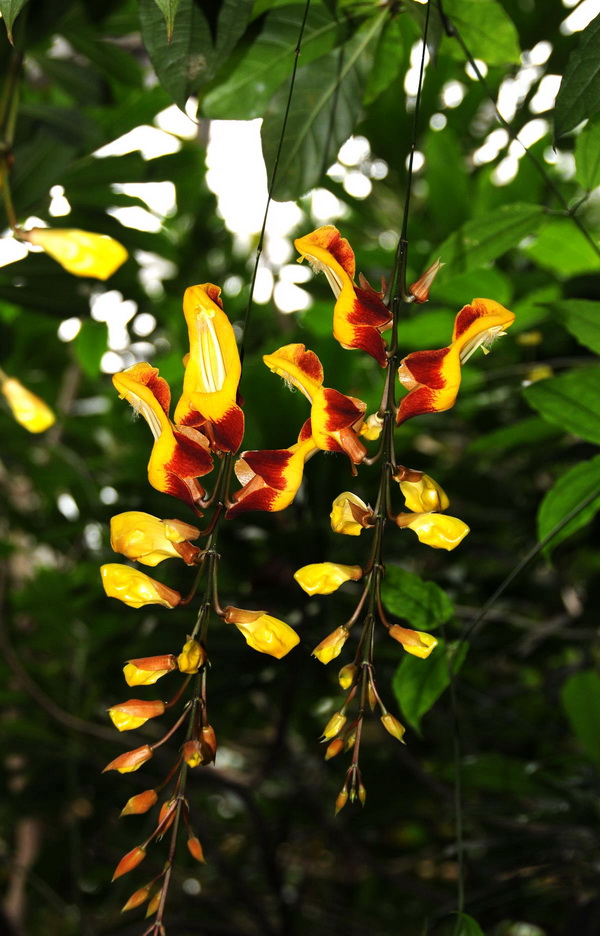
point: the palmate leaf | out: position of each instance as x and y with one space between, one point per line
168 9
571 401
10 9
579 93
324 110
571 489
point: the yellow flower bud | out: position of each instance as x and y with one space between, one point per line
323 578
418 643
371 428
392 725
263 632
424 495
347 675
349 514
28 410
147 539
135 713
342 799
135 588
334 748
331 647
192 657
436 530
79 252
146 670
333 726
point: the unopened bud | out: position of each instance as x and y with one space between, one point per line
131 860
347 675
331 646
394 727
131 760
167 815
418 643
342 799
362 794
135 713
350 742
154 903
420 289
334 726
334 748
192 753
146 670
192 657
140 804
195 848
137 898
371 697
208 743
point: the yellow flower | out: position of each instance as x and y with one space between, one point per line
146 670
434 529
347 675
135 713
422 493
135 588
391 724
323 578
263 632
418 643
28 410
331 647
148 540
79 252
371 427
192 657
349 514
333 726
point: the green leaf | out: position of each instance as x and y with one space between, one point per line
168 9
526 432
582 318
387 59
252 78
418 684
579 93
489 236
533 308
587 156
571 401
89 346
580 697
561 248
573 487
468 926
198 47
487 30
10 9
324 110
423 604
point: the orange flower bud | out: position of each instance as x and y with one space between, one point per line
140 804
192 657
331 647
131 860
192 753
135 713
418 643
195 849
334 748
153 905
420 289
208 742
347 675
394 727
146 670
167 812
135 588
131 760
333 726
342 799
137 898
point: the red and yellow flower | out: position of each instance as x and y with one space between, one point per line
359 315
433 377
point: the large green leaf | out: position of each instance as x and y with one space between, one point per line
487 30
561 248
526 432
482 240
387 59
577 484
198 47
10 9
423 604
252 77
582 318
571 401
324 110
587 156
418 684
579 93
580 696
467 926
168 9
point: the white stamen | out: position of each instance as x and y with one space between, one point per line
212 366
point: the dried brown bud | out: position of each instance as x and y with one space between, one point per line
420 289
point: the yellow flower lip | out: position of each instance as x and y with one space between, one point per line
149 540
135 588
436 530
332 645
81 253
417 643
28 409
262 631
349 514
323 578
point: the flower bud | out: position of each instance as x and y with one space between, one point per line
137 898
420 289
135 713
140 803
362 794
371 697
350 742
145 671
392 725
148 540
418 643
81 253
347 675
192 657
192 753
263 632
27 408
131 860
333 726
342 799
334 748
154 903
131 760
331 647
135 588
323 578
349 514
372 426
436 530
424 495
195 849
167 815
208 743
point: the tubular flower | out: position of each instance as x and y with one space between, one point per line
418 643
27 408
331 647
212 372
434 529
180 454
349 514
145 671
135 588
263 632
135 713
421 493
79 252
131 760
323 578
148 540
335 418
359 315
433 377
271 477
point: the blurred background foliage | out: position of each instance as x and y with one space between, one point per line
516 454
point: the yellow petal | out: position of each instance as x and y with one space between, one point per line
80 252
323 578
28 410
